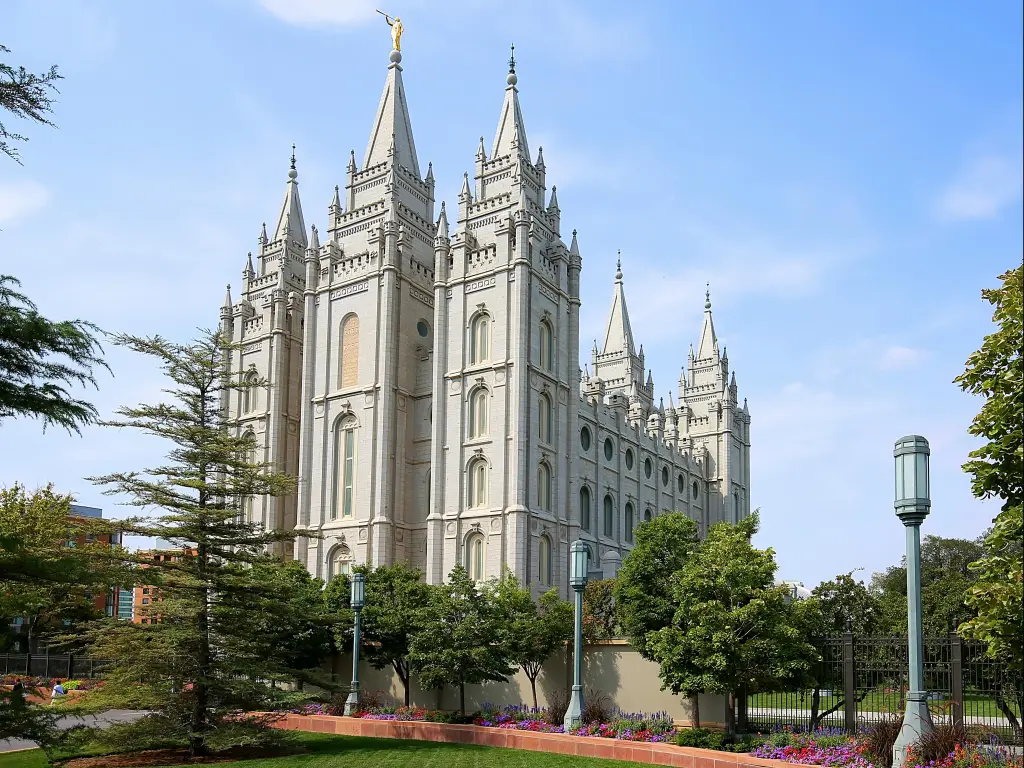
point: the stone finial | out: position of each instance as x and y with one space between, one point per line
618 267
707 297
336 201
352 161
292 173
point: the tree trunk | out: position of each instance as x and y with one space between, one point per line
533 687
403 674
815 706
462 699
730 715
197 740
695 711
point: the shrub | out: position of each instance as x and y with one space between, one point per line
879 739
700 738
372 700
558 704
941 741
596 707
336 706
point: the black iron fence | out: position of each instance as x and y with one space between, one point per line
65 666
861 680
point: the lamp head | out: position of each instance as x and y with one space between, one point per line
913 494
579 564
358 597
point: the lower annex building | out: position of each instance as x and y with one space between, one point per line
425 383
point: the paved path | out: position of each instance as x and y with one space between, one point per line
70 721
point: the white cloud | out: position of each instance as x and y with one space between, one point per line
898 358
19 199
983 189
311 13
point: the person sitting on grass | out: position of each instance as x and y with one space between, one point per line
57 692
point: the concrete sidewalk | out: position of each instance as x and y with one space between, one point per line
70 721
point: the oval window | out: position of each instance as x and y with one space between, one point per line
664 475
585 439
422 328
609 448
695 489
629 458
647 467
682 484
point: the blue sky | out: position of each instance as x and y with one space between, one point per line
847 175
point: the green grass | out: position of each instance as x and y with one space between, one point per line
875 701
364 752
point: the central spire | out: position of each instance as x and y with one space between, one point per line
393 124
618 337
708 346
290 220
511 133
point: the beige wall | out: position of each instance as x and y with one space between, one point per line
631 683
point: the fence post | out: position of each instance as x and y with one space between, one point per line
849 683
956 673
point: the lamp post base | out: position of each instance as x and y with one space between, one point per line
352 703
917 721
575 710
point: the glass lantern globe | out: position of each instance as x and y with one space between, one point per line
579 564
358 599
913 496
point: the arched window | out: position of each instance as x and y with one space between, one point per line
546 417
478 402
544 487
251 393
343 474
341 562
250 458
609 517
585 508
629 522
736 497
478 483
348 359
547 346
647 515
475 557
480 339
544 560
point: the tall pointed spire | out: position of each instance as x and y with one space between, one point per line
336 200
708 346
511 133
619 334
290 219
248 272
227 299
314 240
553 205
393 121
442 222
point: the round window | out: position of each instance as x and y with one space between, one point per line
609 448
695 489
682 484
422 328
585 439
647 467
629 458
664 475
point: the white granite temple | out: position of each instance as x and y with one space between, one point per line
425 383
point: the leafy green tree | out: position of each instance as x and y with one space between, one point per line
946 576
732 629
53 566
643 590
395 596
27 96
197 660
337 597
996 371
529 633
599 610
40 359
458 637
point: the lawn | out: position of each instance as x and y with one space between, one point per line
875 701
363 752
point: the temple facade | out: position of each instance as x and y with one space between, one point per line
423 378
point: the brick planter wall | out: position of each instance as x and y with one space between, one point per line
583 746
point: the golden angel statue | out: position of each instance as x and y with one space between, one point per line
396 30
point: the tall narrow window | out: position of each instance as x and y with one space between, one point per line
609 517
547 346
475 557
544 487
629 522
478 402
478 483
647 515
348 362
545 560
479 339
546 417
343 471
585 508
251 393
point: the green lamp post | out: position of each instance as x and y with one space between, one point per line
357 600
913 502
579 564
